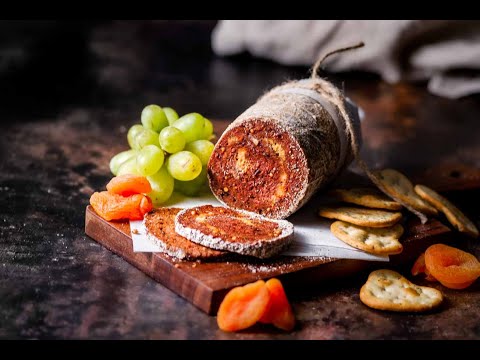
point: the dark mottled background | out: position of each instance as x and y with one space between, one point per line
70 90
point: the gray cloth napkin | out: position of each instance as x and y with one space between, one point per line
444 52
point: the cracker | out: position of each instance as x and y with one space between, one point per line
397 186
388 290
453 214
368 197
362 217
380 241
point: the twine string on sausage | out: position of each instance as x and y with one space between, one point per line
319 62
335 97
332 110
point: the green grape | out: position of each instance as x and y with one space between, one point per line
150 160
144 138
132 132
162 186
202 148
172 140
171 114
191 125
192 187
119 159
129 167
154 118
184 165
207 130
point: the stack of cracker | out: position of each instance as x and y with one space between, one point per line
374 227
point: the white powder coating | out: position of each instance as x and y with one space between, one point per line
164 248
263 268
261 248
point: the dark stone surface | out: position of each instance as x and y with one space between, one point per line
61 123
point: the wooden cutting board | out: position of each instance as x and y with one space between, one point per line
205 284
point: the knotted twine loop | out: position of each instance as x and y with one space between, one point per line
319 62
337 98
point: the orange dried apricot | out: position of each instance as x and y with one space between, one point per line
452 267
279 311
243 306
420 267
115 207
129 184
458 286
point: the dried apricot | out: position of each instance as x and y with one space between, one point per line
452 267
279 312
429 277
243 306
458 286
129 184
420 267
115 207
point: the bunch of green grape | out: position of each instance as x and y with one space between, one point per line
171 151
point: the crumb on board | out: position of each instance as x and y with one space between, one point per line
135 231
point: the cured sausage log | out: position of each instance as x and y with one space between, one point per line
284 148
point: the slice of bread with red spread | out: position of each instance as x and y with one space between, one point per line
241 232
160 225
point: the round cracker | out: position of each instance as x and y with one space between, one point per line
368 197
453 214
379 241
388 290
401 189
362 217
